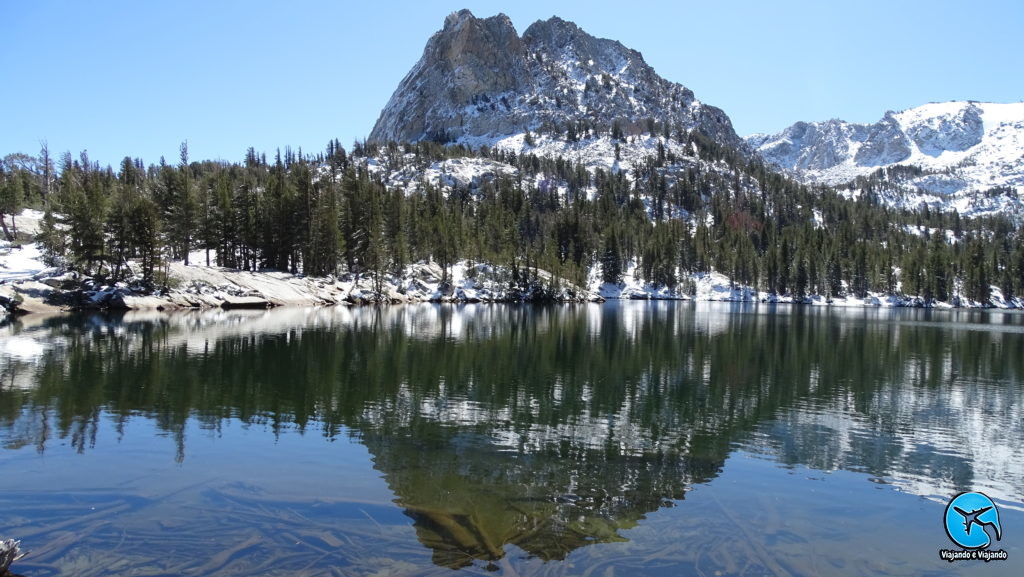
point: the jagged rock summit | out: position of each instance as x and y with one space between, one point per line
478 78
963 154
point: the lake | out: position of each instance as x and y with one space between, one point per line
629 438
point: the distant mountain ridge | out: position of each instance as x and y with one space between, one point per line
965 155
478 78
557 91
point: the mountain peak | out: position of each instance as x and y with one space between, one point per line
958 148
462 18
478 78
457 18
553 27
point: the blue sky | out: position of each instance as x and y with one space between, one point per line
137 78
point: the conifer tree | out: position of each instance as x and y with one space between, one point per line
184 208
10 200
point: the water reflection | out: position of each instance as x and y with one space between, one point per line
546 428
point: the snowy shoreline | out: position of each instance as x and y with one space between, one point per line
201 287
28 285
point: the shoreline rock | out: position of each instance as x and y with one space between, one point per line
200 287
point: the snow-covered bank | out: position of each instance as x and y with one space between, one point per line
715 287
28 285
197 286
202 287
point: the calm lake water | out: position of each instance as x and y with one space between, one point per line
627 438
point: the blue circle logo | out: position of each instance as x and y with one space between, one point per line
968 516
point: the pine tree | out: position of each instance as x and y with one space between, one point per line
85 193
616 130
976 282
528 138
118 229
184 218
11 198
939 269
47 171
51 238
611 258
144 222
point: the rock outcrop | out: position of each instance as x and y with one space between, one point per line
478 78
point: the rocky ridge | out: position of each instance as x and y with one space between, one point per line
478 78
967 156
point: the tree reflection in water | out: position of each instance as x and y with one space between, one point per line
546 428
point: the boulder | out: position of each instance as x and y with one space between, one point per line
29 297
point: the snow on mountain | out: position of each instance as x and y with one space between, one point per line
556 91
467 172
634 159
593 152
991 457
963 155
478 78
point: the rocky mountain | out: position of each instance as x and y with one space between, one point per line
556 91
479 81
963 155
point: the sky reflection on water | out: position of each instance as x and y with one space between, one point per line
695 437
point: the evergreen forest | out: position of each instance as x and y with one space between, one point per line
336 212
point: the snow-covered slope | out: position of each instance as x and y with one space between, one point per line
963 155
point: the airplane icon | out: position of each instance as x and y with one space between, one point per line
972 518
967 510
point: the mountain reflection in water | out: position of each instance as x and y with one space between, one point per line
546 428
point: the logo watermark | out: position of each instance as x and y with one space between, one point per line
971 520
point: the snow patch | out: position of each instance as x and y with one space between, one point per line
20 262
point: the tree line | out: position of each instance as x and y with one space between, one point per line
334 212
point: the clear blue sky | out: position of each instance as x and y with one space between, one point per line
139 77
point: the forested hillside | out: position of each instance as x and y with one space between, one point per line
378 208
